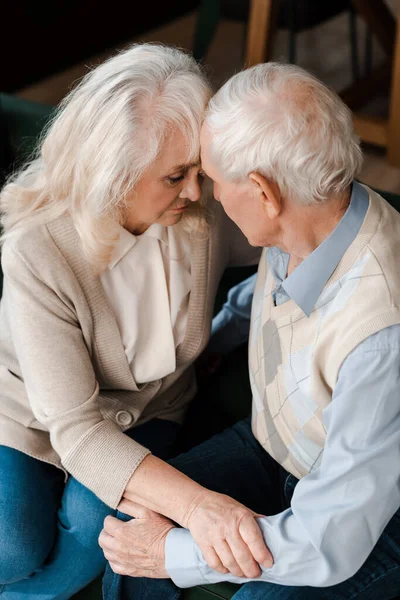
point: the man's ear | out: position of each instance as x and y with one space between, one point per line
268 193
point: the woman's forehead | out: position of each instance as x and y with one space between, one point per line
178 153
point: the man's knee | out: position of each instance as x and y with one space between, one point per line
259 590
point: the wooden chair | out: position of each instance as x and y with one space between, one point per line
294 15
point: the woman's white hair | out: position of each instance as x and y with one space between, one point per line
282 122
108 130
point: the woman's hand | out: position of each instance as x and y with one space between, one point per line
228 535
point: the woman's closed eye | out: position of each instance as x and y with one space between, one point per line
175 180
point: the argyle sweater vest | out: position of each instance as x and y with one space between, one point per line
294 360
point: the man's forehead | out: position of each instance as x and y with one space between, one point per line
205 134
205 138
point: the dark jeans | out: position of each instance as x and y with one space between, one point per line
233 463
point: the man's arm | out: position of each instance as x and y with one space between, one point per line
333 522
230 327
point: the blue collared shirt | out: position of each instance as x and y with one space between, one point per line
338 511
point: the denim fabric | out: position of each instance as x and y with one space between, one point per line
49 532
234 463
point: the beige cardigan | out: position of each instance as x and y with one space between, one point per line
66 390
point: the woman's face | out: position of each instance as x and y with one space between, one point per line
166 188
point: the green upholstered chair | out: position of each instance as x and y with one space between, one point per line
20 124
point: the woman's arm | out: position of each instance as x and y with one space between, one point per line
225 530
60 381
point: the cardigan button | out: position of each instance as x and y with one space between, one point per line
124 417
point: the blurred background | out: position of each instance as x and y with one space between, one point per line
352 45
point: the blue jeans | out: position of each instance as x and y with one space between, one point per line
49 531
234 463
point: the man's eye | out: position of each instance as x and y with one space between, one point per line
174 180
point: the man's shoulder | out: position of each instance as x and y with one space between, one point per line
384 340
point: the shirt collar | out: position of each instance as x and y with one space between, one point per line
127 241
305 284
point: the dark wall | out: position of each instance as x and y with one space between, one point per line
39 38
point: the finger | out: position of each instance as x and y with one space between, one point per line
243 556
117 568
112 557
213 561
108 543
253 538
225 555
104 539
134 510
112 525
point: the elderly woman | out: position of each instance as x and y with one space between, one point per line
111 263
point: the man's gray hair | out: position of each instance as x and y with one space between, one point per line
285 124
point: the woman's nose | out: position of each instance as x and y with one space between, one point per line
192 191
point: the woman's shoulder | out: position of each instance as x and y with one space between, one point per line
26 241
37 246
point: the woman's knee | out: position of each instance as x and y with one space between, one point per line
28 509
81 515
20 557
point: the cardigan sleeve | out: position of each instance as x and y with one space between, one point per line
61 385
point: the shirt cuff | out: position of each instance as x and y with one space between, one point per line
181 561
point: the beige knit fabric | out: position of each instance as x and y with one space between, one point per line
66 389
294 360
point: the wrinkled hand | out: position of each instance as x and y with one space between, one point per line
228 535
137 547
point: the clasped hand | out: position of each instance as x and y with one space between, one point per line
228 535
226 532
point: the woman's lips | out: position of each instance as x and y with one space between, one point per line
179 208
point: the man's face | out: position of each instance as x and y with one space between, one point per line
242 201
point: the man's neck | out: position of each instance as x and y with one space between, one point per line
309 226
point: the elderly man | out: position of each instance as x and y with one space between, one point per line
321 455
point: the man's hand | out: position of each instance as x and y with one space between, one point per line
136 548
228 535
